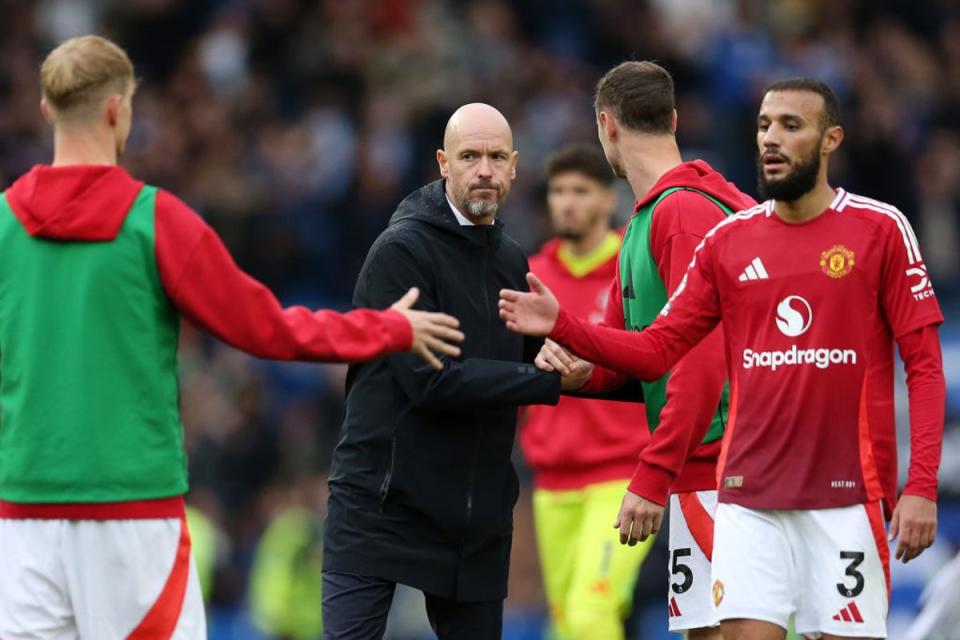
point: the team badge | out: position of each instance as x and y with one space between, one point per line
717 593
837 261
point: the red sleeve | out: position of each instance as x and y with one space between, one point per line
210 290
906 292
602 379
696 382
692 312
920 351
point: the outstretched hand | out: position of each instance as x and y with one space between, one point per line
532 314
433 332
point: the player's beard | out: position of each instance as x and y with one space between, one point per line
482 208
478 207
800 181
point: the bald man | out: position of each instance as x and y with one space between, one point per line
422 488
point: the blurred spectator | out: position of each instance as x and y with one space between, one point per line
295 125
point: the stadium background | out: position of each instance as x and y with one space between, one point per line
295 127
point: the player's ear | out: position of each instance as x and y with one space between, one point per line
673 122
443 164
832 138
45 111
113 108
608 124
514 156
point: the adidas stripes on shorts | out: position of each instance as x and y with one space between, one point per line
828 566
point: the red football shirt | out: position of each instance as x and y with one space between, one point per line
810 313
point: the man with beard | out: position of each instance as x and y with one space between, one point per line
677 203
813 287
422 487
582 451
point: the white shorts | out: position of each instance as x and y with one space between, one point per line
689 603
65 579
828 566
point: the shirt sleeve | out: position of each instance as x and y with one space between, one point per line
210 290
464 383
692 312
602 379
926 387
695 385
906 296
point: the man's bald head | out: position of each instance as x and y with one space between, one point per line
478 160
476 119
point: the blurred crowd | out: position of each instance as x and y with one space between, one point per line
295 127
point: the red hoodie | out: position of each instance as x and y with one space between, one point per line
673 460
579 441
89 204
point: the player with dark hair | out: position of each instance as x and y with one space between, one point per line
677 203
813 287
583 452
96 269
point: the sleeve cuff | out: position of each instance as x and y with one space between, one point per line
651 483
561 327
553 397
930 493
399 331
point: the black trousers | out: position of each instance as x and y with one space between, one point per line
355 608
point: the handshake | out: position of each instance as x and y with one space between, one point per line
531 313
574 372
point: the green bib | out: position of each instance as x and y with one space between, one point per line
644 295
88 367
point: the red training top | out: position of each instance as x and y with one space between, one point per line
82 202
680 221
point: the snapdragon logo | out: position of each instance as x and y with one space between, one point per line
794 317
820 358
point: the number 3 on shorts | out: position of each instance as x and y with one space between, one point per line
855 558
677 567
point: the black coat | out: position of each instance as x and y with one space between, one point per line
422 488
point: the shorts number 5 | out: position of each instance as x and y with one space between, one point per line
676 567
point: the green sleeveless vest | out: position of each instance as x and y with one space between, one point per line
644 295
88 367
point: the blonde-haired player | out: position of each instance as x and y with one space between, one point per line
96 269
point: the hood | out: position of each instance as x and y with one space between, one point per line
700 176
78 202
429 205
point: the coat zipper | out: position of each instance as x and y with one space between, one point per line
476 448
385 485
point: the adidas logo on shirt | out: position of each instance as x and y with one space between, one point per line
849 613
754 271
